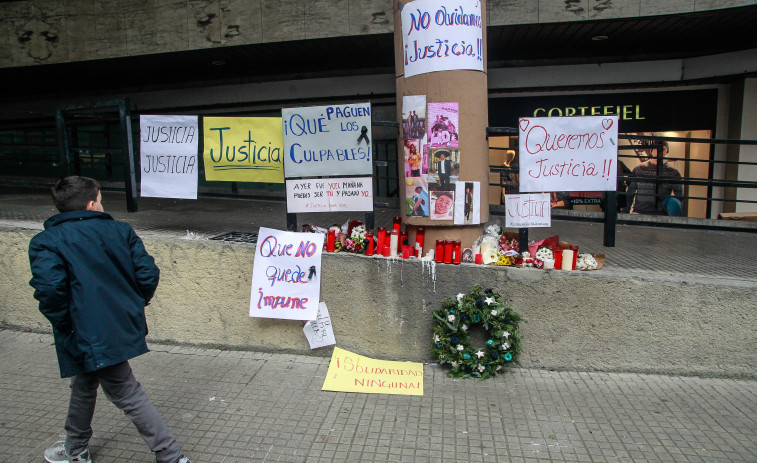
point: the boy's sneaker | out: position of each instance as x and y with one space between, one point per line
57 454
183 460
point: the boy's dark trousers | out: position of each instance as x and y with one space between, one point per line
125 392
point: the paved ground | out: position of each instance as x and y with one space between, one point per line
232 406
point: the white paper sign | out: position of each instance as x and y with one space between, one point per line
467 203
286 275
528 210
319 332
442 36
168 156
568 153
327 140
330 194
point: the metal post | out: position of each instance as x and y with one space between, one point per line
130 177
369 220
63 152
523 239
291 222
611 218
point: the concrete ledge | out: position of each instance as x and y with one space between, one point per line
382 308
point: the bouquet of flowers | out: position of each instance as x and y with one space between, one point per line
586 261
356 240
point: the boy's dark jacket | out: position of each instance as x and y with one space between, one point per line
92 277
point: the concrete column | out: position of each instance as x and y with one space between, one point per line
469 90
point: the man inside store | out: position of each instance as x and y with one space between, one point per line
656 197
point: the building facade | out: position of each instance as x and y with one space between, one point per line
683 68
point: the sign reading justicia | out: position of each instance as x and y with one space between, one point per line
442 36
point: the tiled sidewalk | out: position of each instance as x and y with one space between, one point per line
234 406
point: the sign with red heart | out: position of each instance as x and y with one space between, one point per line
568 153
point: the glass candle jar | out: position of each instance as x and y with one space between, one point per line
448 250
439 252
420 237
369 244
330 238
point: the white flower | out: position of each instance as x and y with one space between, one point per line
481 368
358 233
451 318
480 354
436 338
499 367
505 346
494 312
464 327
586 261
506 335
544 253
460 347
490 256
489 300
460 296
454 364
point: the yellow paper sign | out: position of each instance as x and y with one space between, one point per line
350 372
243 149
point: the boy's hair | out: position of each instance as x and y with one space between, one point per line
74 193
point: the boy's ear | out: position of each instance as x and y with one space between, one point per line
91 206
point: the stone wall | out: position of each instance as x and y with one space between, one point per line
382 308
53 31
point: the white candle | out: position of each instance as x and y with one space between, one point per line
567 259
549 264
393 242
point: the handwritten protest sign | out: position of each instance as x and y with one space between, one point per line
442 36
286 275
243 149
327 140
349 372
168 156
528 210
330 194
568 153
319 332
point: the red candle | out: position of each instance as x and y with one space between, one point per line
369 247
439 253
479 259
420 237
397 223
381 236
456 251
448 247
407 251
330 241
387 251
575 255
558 259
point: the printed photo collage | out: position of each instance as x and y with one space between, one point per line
432 163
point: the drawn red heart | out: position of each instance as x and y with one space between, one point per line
523 124
607 123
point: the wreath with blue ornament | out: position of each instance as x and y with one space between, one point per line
453 323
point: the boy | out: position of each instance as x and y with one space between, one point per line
93 278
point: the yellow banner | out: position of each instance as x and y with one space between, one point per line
243 149
350 372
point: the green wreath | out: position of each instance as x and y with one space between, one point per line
452 343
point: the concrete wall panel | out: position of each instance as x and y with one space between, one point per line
382 308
